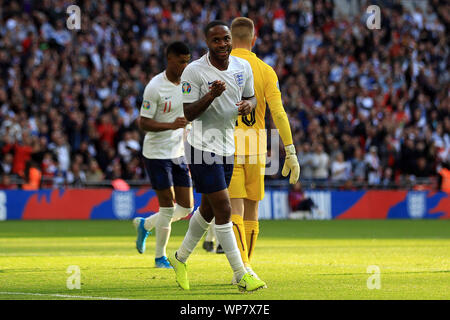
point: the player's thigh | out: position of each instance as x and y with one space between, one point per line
184 196
236 188
160 173
221 206
209 177
254 171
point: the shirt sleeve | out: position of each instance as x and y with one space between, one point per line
249 87
190 85
150 102
273 97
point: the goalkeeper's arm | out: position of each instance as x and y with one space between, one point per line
273 98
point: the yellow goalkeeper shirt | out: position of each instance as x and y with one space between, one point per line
250 135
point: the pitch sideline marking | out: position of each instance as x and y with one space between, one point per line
61 295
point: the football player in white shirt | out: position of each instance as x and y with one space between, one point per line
216 89
163 119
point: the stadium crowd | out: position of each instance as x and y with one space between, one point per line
365 105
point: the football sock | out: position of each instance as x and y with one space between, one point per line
162 228
150 222
196 230
210 234
225 236
180 212
239 233
251 234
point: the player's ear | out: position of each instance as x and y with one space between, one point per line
254 40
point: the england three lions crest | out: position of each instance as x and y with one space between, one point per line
416 204
239 78
123 204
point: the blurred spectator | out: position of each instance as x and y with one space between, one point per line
7 163
32 177
76 177
128 147
305 160
340 169
359 166
444 177
6 183
320 162
61 149
423 169
298 201
94 173
22 153
387 179
373 166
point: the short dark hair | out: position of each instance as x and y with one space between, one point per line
212 24
177 48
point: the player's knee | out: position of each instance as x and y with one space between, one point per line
223 212
165 198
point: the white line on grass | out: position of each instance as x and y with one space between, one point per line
61 295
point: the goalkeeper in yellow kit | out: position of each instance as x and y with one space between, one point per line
247 183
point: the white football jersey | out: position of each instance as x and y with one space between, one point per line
213 130
163 102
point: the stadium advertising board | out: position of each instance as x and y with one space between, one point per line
85 204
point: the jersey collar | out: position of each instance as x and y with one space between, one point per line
242 51
211 65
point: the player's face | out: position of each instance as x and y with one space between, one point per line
219 42
177 63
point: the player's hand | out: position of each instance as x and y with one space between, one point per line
244 107
180 122
217 87
291 164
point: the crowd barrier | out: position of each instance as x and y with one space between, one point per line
84 204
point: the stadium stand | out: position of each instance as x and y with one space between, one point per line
367 107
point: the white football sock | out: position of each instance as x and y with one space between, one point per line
150 222
226 238
211 234
162 228
180 212
196 230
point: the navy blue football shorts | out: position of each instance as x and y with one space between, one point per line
165 173
210 172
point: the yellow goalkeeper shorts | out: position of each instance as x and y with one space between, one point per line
247 181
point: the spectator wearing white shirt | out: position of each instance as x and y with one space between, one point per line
373 165
128 147
320 162
305 158
340 169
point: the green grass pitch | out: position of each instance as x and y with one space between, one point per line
299 260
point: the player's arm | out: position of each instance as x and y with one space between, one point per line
246 105
279 116
194 109
148 124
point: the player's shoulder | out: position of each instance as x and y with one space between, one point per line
239 61
200 62
240 64
153 86
156 82
265 66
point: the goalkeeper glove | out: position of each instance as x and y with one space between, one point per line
291 164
